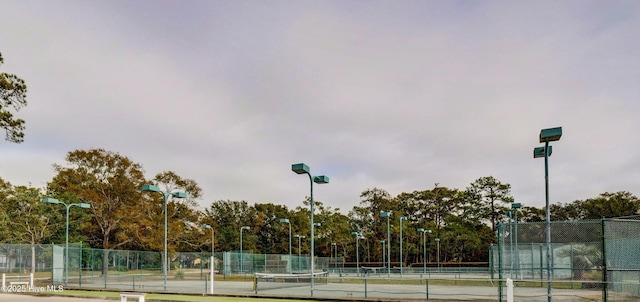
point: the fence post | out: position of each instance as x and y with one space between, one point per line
499 262
533 273
541 264
571 264
427 287
509 290
365 287
605 281
80 267
491 260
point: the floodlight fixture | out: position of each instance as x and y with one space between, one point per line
151 188
322 179
538 152
300 168
550 134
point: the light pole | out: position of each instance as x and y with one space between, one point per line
285 220
212 263
333 246
510 214
424 247
546 136
241 255
438 258
165 195
387 214
358 237
515 206
299 238
66 249
401 263
301 168
383 251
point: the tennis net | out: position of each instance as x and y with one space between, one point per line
265 281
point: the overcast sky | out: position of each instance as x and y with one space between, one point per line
397 95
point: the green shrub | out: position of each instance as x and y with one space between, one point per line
180 274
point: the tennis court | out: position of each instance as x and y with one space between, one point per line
347 287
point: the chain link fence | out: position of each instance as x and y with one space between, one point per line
599 256
590 260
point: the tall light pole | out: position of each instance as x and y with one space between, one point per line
401 263
333 246
165 195
212 262
387 214
285 220
438 258
241 255
424 247
299 249
383 251
66 249
301 168
515 206
546 136
358 237
510 214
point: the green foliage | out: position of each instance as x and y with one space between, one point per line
230 216
13 94
123 217
492 198
180 274
607 205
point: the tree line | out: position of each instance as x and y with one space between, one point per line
122 216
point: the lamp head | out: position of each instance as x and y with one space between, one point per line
83 205
50 200
437 239
245 228
403 218
420 230
539 152
206 226
300 168
385 213
321 179
284 220
179 194
516 205
550 134
151 188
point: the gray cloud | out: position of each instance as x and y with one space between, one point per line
395 95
